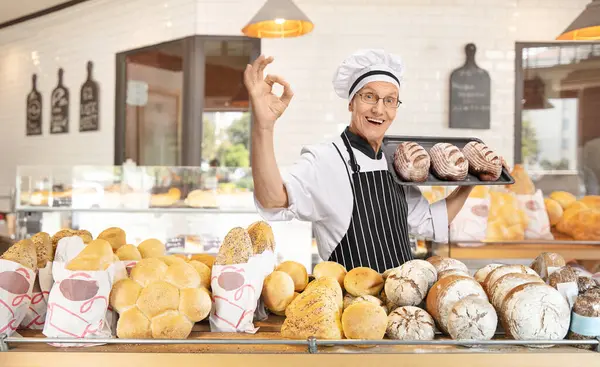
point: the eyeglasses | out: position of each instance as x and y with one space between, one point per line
372 98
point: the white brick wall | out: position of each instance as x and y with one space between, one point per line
429 34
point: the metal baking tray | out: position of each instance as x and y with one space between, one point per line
390 142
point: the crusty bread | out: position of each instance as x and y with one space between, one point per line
124 295
448 162
261 235
171 325
547 262
158 297
297 272
405 288
364 320
410 323
182 275
203 271
330 269
472 318
133 324
22 252
363 281
236 248
411 162
115 236
584 284
441 263
96 256
128 253
43 248
483 162
278 291
497 273
448 272
422 268
498 291
482 273
565 274
148 270
151 248
586 305
195 303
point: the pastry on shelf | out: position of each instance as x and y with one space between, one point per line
166 199
201 199
565 199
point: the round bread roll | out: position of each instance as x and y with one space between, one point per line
410 323
298 273
124 294
563 275
446 292
547 262
497 273
554 210
151 248
330 269
278 291
362 281
418 268
350 300
195 303
482 273
472 318
409 290
563 198
204 272
508 282
133 324
441 263
182 276
282 313
449 272
158 297
171 260
115 236
535 311
364 320
147 271
171 325
206 259
128 253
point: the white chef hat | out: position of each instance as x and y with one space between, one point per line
365 66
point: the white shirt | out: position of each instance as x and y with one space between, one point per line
319 191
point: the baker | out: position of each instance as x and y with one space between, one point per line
360 216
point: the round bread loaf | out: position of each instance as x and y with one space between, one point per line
472 318
419 268
483 162
584 284
133 324
124 295
441 263
411 162
362 281
508 282
195 303
482 273
535 311
547 262
203 271
330 269
128 253
389 305
449 272
278 291
565 274
585 318
151 248
446 292
410 323
171 325
408 290
499 272
148 270
448 162
298 273
364 320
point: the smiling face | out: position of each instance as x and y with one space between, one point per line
372 121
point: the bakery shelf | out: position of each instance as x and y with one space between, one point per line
581 250
41 209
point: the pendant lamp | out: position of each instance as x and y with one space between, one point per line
586 26
278 19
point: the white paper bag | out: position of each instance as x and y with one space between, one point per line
236 290
470 224
36 315
269 261
538 227
16 286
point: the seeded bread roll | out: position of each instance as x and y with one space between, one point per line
565 274
410 323
350 300
547 262
43 248
84 235
236 248
22 252
448 162
411 162
483 162
586 314
261 235
584 284
363 281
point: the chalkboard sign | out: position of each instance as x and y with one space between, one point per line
89 103
59 103
34 109
175 243
470 95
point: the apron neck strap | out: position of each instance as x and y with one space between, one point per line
355 167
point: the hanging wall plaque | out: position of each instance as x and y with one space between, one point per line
59 103
34 109
89 103
470 95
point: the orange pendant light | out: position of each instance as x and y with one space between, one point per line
278 19
586 27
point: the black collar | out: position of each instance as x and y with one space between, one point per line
357 142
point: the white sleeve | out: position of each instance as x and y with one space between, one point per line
304 185
424 219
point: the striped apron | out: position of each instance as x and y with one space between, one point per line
377 236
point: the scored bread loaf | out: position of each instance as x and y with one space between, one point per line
547 262
500 271
411 162
482 273
483 162
362 281
236 248
535 311
585 319
418 268
441 263
410 323
472 318
448 162
448 272
508 282
298 273
406 286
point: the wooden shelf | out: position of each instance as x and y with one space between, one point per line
526 251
